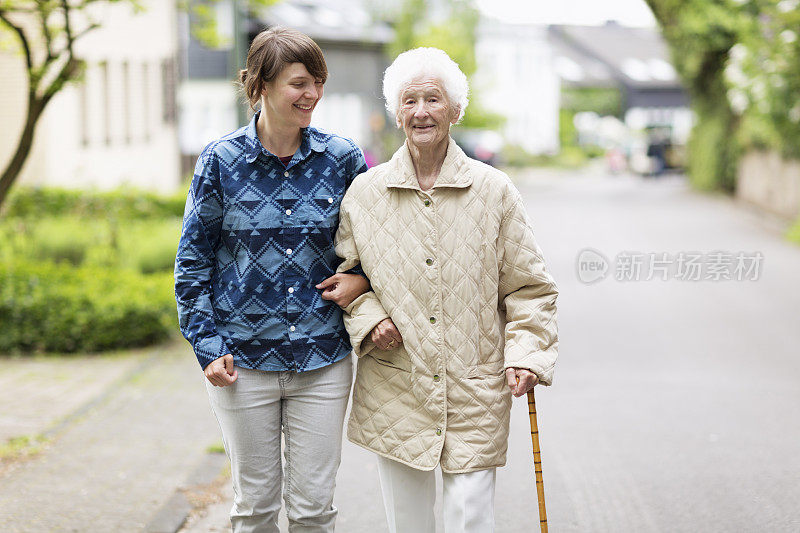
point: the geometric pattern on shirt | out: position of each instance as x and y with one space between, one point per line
254 243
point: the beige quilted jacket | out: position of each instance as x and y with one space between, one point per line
459 272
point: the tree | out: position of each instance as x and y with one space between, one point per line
46 31
763 76
700 34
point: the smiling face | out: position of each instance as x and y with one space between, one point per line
425 113
291 97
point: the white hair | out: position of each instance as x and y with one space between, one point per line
425 62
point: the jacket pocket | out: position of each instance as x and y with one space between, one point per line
397 358
487 371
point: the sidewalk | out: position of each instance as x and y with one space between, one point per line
120 433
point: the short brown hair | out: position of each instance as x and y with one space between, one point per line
271 51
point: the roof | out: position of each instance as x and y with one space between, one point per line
611 54
347 22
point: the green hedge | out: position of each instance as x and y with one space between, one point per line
143 245
794 232
60 308
38 202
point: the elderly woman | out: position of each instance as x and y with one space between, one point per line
462 310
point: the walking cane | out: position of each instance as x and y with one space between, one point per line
537 461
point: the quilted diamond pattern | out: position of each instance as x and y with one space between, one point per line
459 272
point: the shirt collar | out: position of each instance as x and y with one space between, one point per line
454 173
309 141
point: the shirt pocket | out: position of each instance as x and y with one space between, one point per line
321 207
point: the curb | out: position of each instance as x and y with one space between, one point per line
174 512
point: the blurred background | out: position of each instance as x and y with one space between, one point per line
633 129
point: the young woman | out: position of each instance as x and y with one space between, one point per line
257 293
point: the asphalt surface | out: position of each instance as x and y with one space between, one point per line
674 406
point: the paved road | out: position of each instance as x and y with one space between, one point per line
114 465
673 409
675 403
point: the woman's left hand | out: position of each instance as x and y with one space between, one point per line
343 288
520 380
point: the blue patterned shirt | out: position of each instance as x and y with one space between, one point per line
257 236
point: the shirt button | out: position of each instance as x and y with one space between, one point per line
288 251
427 203
438 431
436 377
291 290
292 328
288 211
286 174
433 320
429 261
330 200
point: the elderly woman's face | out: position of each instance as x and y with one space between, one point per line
425 112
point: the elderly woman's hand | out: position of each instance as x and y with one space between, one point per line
520 380
385 335
343 288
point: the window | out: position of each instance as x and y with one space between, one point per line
105 81
169 111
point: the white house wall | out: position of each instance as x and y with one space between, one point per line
116 129
516 79
207 112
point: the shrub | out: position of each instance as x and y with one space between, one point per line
794 232
146 246
49 307
41 202
150 246
66 239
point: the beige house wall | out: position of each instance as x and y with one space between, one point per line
117 128
771 182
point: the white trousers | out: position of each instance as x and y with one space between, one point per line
409 495
308 407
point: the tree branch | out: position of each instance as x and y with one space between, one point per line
48 37
67 25
92 26
23 39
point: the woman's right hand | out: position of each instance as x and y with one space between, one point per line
220 372
385 335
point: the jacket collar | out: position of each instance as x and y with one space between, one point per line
454 171
308 141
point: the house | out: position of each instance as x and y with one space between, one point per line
524 70
117 127
516 78
635 61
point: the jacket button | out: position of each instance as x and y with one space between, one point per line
438 431
286 174
427 203
433 320
429 261
436 377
